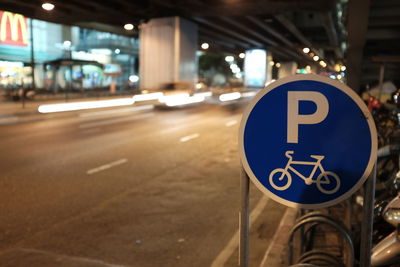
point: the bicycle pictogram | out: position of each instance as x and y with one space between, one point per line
327 182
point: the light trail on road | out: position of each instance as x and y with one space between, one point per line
85 105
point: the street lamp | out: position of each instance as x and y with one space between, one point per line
129 26
205 46
229 58
48 6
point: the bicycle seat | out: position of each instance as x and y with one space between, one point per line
317 157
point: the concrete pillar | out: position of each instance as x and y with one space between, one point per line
269 68
167 53
256 69
357 28
287 68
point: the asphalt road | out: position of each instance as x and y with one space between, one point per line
130 186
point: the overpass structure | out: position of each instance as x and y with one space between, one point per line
363 35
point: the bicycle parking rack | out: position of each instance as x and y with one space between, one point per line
308 256
322 257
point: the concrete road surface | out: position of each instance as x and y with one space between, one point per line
127 187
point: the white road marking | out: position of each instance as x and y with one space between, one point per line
114 111
107 166
92 130
61 257
112 121
228 250
280 238
230 123
8 119
189 137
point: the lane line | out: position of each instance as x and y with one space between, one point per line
89 131
113 121
8 120
114 111
189 137
71 258
230 123
106 166
279 240
233 244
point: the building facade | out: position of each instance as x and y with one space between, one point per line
63 57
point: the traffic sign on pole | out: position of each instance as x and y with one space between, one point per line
307 141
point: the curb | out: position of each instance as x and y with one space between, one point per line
276 253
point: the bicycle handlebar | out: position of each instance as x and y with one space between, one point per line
288 153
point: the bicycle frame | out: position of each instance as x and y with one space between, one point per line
308 180
285 178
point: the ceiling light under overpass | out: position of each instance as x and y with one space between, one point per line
129 26
229 58
242 55
278 65
343 68
306 50
48 6
205 46
315 58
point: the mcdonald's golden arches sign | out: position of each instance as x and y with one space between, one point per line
13 29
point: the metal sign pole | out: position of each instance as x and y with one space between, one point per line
367 221
244 220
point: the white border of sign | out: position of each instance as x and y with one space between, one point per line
346 90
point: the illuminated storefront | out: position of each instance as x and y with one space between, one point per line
87 50
13 29
14 42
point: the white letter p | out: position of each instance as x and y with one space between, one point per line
295 119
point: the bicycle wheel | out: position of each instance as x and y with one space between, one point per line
328 182
282 181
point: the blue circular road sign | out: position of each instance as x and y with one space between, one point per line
307 141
